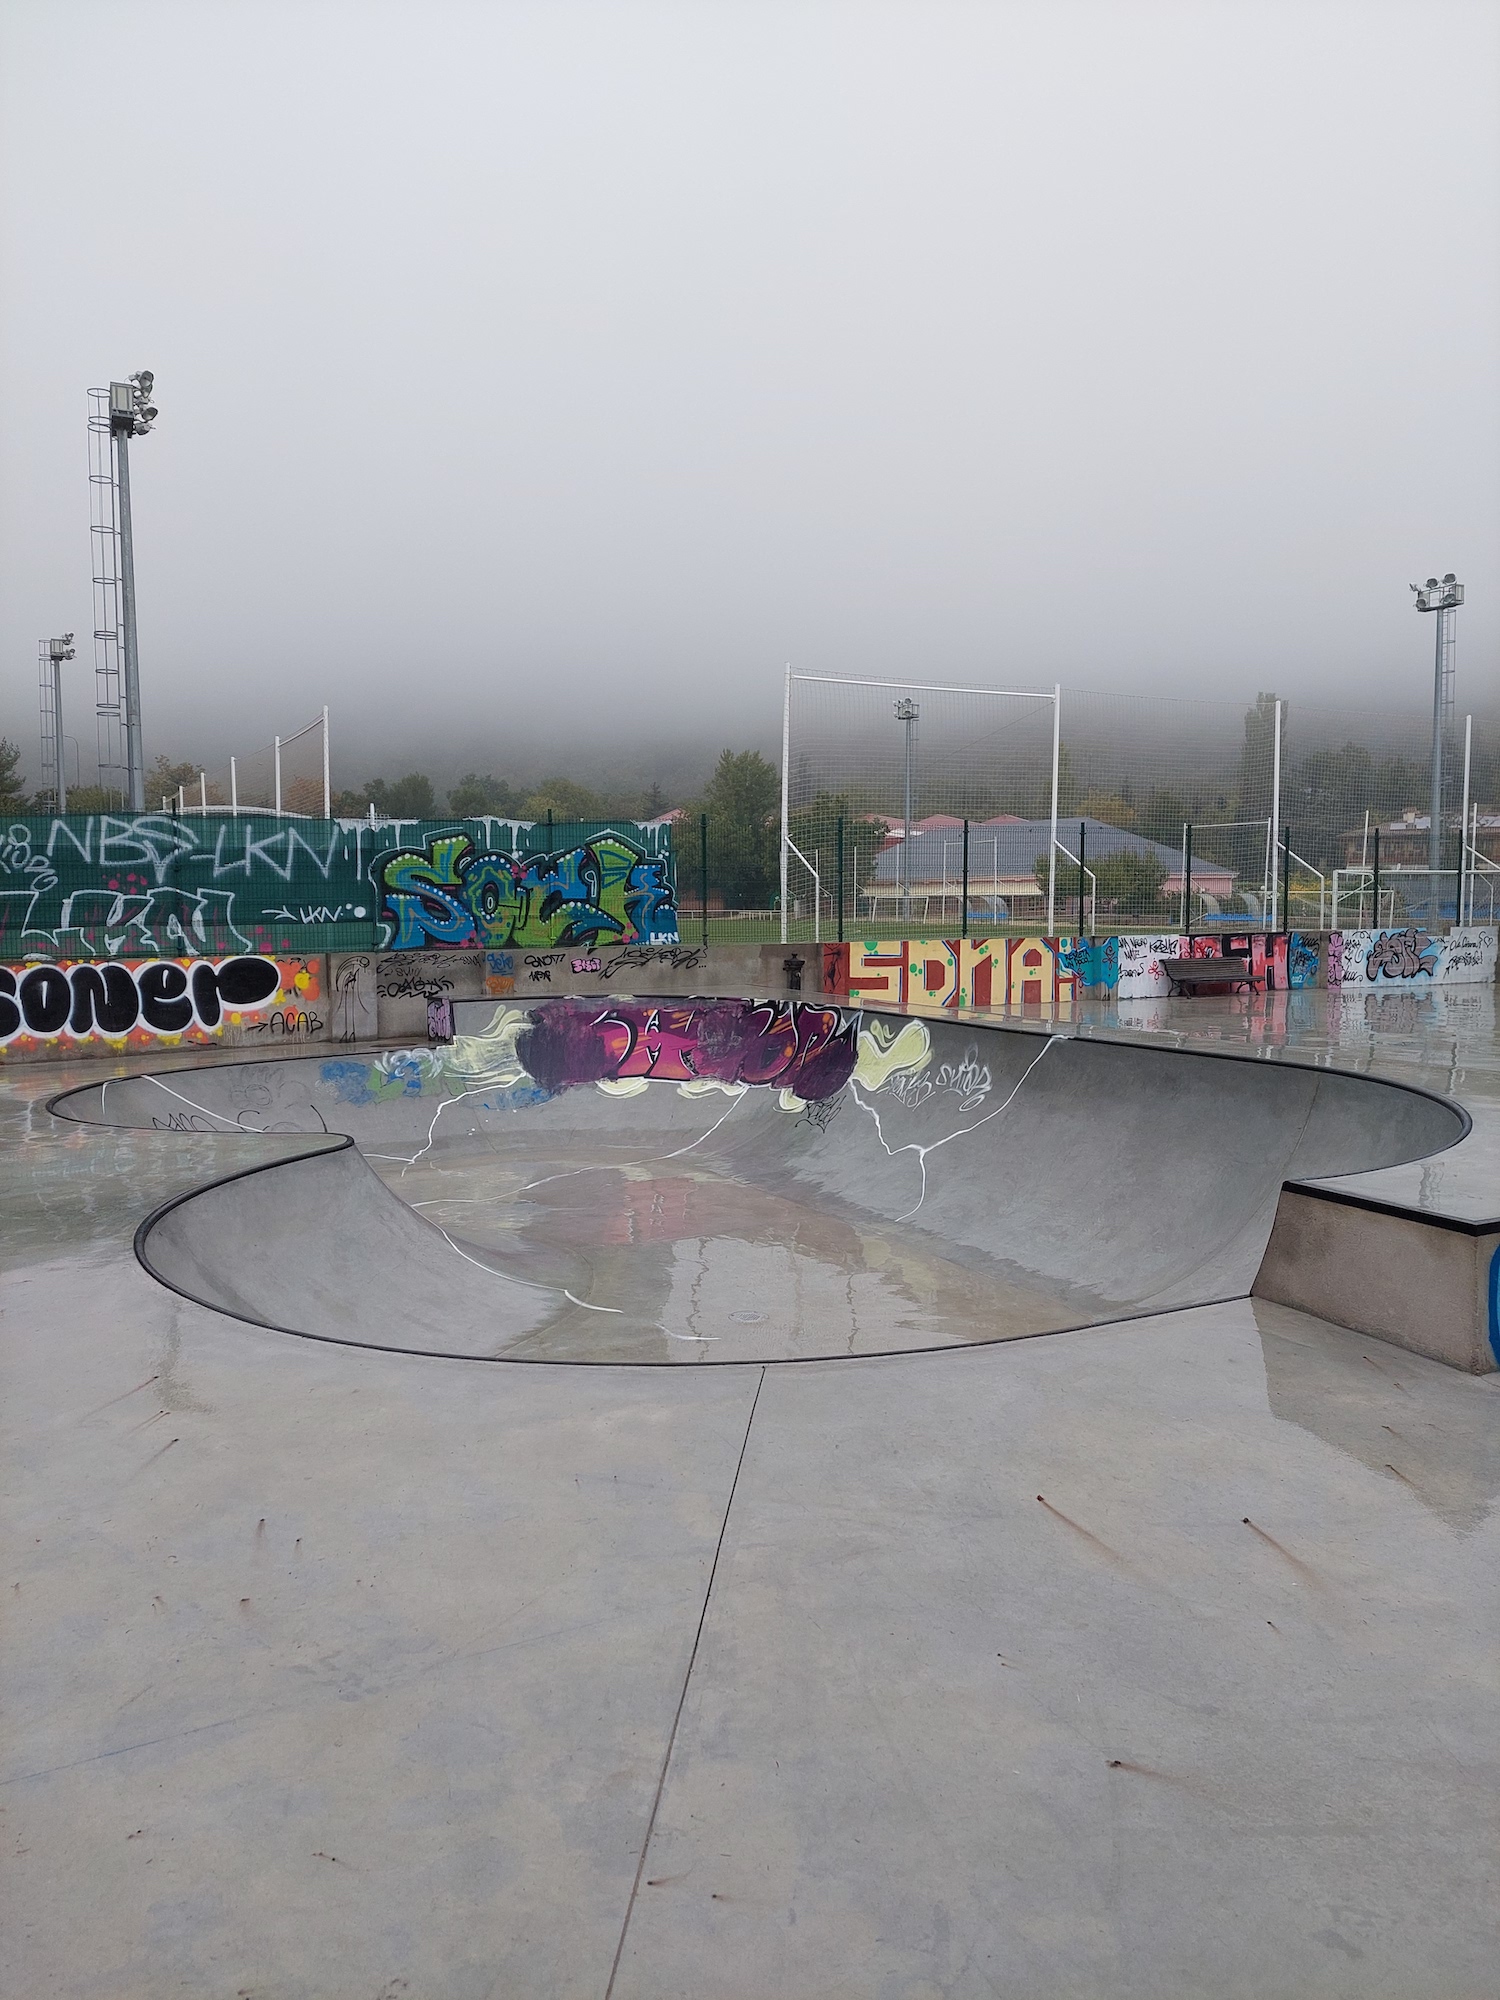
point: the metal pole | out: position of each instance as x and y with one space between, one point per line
841 878
203 792
62 748
786 751
278 777
234 789
1435 826
1182 908
1275 809
906 836
964 932
1286 876
1375 919
135 772
1052 850
1463 823
327 791
703 869
1082 836
1187 878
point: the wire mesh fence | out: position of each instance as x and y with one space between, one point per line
1075 810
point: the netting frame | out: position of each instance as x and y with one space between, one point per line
788 847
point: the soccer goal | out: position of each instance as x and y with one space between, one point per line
878 781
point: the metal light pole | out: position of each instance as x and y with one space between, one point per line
1444 598
906 714
131 414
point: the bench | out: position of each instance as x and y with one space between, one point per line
1221 972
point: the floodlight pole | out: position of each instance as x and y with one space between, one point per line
131 414
327 789
1443 597
59 650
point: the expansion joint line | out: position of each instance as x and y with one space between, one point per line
661 1782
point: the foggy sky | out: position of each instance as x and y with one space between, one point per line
536 377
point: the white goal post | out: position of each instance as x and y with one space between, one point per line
882 770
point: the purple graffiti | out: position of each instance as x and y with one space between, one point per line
792 1045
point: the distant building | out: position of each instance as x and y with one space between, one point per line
1403 841
1003 854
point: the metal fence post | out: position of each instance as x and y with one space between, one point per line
841 878
1082 836
1375 921
1187 877
703 869
965 930
1286 879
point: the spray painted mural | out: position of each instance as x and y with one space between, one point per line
120 886
150 1003
450 893
1411 957
792 1045
1052 972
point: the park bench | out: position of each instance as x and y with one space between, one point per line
1198 972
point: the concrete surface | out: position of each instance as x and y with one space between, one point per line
1063 1182
345 1675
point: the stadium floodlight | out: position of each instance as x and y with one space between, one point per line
55 652
1443 596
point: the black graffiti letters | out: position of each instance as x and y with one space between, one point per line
111 999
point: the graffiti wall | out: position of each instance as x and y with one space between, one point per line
115 886
1038 971
158 1002
1411 957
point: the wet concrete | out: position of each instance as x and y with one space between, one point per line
333 1674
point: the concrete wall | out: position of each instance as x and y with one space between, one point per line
52 1013
1401 1277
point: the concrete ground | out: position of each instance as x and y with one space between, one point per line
1155 1659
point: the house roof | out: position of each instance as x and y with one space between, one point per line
1012 849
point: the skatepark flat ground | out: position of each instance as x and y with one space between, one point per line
1154 1658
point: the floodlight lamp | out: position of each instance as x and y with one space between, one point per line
1450 578
1432 583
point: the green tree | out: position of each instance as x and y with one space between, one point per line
741 800
164 779
1161 816
411 797
1257 757
814 829
1110 807
565 799
12 795
474 796
1129 883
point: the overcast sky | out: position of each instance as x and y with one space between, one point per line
551 374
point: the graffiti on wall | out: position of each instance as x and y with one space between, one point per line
1021 972
952 973
792 1045
153 885
451 893
1411 957
128 1004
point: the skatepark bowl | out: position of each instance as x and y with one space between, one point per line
1033 1606
661 1182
